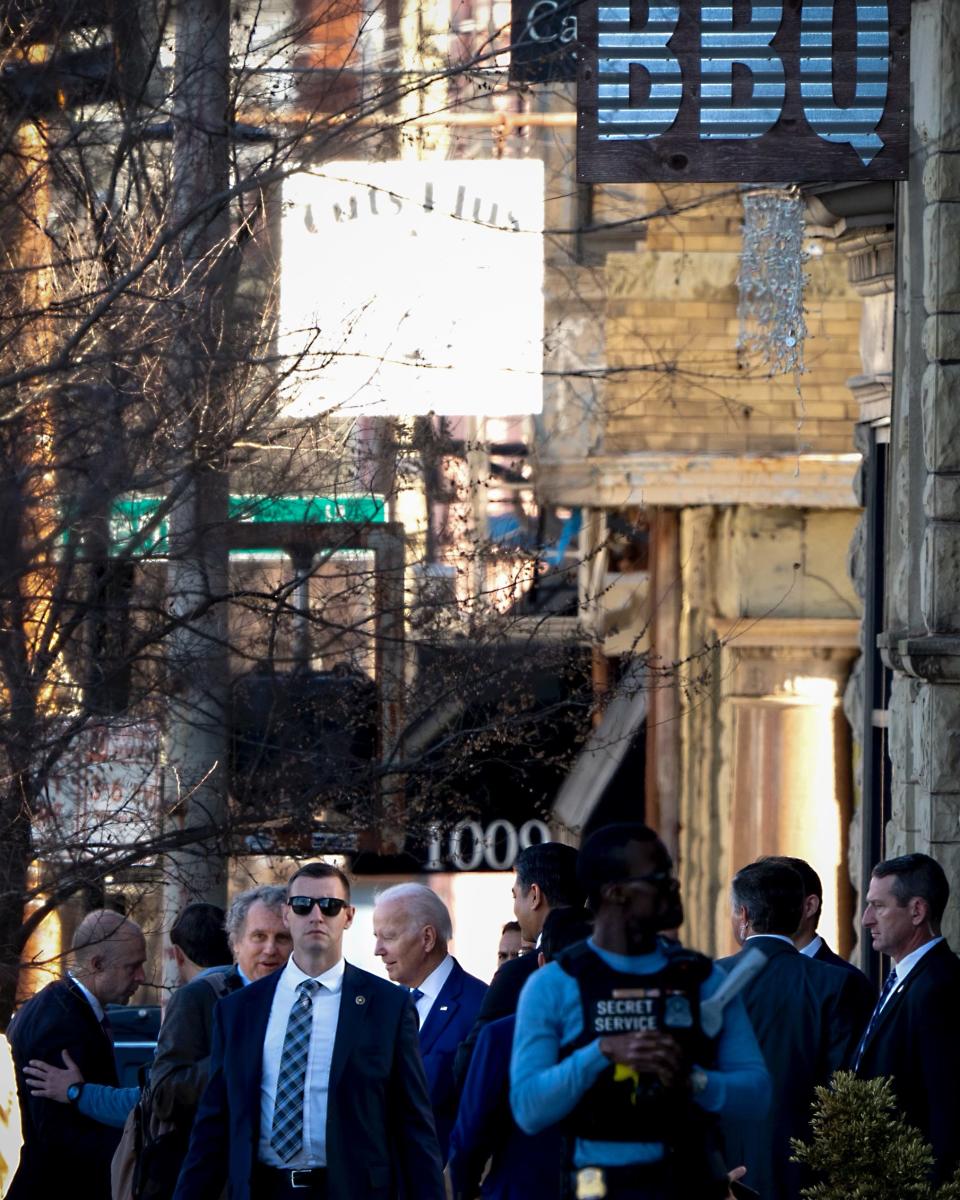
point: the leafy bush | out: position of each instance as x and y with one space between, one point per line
862 1148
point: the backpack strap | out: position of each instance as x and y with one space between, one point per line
220 982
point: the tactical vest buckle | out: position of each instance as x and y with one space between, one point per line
591 1184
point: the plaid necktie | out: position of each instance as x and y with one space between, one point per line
889 985
286 1137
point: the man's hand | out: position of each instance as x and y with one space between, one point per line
52 1082
646 1053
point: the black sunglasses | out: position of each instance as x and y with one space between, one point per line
330 906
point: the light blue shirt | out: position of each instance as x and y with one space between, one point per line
325 1012
108 1105
100 1101
112 1105
544 1088
431 988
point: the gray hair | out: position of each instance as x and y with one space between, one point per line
269 894
421 906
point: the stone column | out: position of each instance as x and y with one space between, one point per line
922 637
871 256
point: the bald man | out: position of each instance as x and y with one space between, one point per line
65 1153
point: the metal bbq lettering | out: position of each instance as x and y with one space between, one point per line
743 91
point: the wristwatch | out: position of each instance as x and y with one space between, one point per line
74 1092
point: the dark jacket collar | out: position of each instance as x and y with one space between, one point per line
927 962
771 946
355 1005
443 1009
84 1006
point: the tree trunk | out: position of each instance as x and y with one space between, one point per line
196 743
25 517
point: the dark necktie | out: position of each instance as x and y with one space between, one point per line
415 995
889 985
286 1136
106 1027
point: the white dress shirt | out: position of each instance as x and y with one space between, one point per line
781 937
90 997
326 1015
431 988
906 965
811 948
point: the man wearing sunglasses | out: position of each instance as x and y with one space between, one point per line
316 1084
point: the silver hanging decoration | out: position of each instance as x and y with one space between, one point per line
771 280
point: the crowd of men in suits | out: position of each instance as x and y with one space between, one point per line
604 1059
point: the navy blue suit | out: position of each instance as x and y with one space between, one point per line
381 1143
501 1000
449 1021
916 1040
522 1166
64 1153
805 1016
866 993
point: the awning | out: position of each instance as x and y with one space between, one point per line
604 751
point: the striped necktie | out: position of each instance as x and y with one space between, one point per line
286 1136
889 985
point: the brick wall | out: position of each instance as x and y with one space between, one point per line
677 382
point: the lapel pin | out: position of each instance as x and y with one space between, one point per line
360 1000
443 1008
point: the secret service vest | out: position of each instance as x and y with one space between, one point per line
623 1106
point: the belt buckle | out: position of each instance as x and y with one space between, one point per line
591 1184
300 1178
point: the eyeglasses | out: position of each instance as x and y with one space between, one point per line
330 906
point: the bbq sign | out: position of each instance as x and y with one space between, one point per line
743 91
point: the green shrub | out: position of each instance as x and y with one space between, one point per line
862 1149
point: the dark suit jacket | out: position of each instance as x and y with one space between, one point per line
521 1166
804 1015
64 1153
449 1021
182 1062
381 1143
501 1000
864 991
917 1041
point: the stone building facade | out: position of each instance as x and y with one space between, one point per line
745 483
903 247
920 638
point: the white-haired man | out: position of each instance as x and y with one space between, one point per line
412 927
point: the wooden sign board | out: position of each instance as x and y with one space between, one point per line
543 41
743 91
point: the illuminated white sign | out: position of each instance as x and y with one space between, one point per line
413 287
